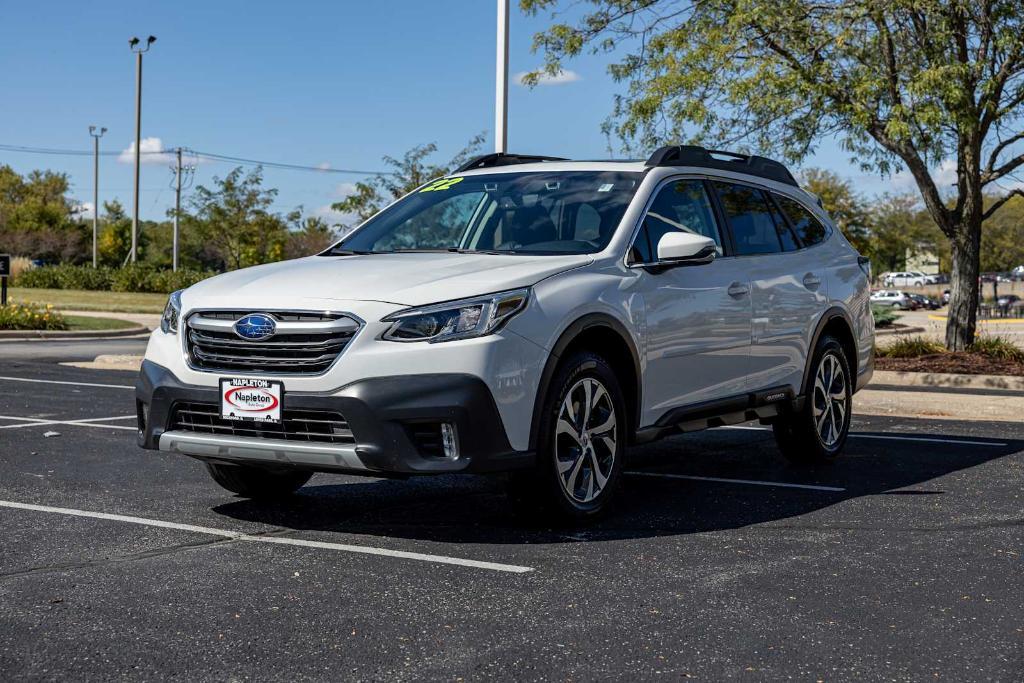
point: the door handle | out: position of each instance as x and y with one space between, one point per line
738 289
811 281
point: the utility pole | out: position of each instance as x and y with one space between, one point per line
134 45
179 171
95 187
501 82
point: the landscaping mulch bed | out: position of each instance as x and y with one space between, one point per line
959 362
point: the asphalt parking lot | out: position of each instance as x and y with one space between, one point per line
901 561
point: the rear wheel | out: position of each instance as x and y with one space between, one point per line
580 445
818 431
256 482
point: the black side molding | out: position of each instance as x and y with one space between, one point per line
759 405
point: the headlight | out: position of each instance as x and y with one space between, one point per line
169 320
456 319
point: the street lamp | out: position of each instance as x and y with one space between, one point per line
95 186
501 82
135 45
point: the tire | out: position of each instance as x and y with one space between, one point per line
256 482
579 450
898 307
818 431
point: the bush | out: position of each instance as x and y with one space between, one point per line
130 278
910 347
30 317
999 348
884 316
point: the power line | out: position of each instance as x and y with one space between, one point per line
210 156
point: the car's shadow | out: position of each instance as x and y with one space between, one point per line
462 509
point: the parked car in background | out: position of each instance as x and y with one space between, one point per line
894 298
945 297
526 315
905 279
926 302
1008 301
1017 274
940 279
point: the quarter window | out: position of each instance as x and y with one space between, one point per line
750 217
681 206
809 228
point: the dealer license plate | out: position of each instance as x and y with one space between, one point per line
250 399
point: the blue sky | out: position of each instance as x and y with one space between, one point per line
339 83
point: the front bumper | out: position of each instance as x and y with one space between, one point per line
379 411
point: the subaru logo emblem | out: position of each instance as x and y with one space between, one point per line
255 326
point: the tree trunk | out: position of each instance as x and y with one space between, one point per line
965 290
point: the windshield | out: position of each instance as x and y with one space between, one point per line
566 212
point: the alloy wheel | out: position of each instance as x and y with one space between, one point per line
586 434
829 400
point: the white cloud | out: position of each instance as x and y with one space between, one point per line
343 190
151 152
84 210
561 78
324 166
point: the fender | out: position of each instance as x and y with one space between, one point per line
569 335
826 317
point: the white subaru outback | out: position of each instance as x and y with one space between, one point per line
527 315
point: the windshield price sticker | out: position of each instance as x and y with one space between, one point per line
250 399
441 184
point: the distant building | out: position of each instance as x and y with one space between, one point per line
923 260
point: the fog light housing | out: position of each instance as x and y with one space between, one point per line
449 441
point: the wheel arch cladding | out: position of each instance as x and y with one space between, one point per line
607 337
834 323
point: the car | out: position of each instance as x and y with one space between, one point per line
1007 302
905 279
524 315
895 298
926 302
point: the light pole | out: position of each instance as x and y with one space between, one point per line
501 82
95 186
134 44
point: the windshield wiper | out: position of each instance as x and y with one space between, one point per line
351 252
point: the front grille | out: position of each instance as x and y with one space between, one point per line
319 426
304 343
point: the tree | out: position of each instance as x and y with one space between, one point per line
900 83
847 208
233 223
38 218
900 226
411 171
312 236
115 238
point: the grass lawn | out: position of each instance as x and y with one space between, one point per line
82 300
81 322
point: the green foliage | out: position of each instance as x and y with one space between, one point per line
909 347
997 347
884 316
130 278
845 205
38 218
30 316
232 224
313 236
411 171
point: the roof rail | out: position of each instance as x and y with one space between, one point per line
693 155
502 159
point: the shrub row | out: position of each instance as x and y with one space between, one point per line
30 317
131 278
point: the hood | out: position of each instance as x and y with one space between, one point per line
410 279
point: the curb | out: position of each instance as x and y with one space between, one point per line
892 331
1000 383
6 335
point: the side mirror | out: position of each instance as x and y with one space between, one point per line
685 249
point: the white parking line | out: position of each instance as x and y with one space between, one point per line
234 535
722 480
74 384
87 422
855 435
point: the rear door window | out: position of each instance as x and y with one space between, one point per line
810 230
750 219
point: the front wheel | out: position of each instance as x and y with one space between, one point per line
817 432
256 482
581 443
